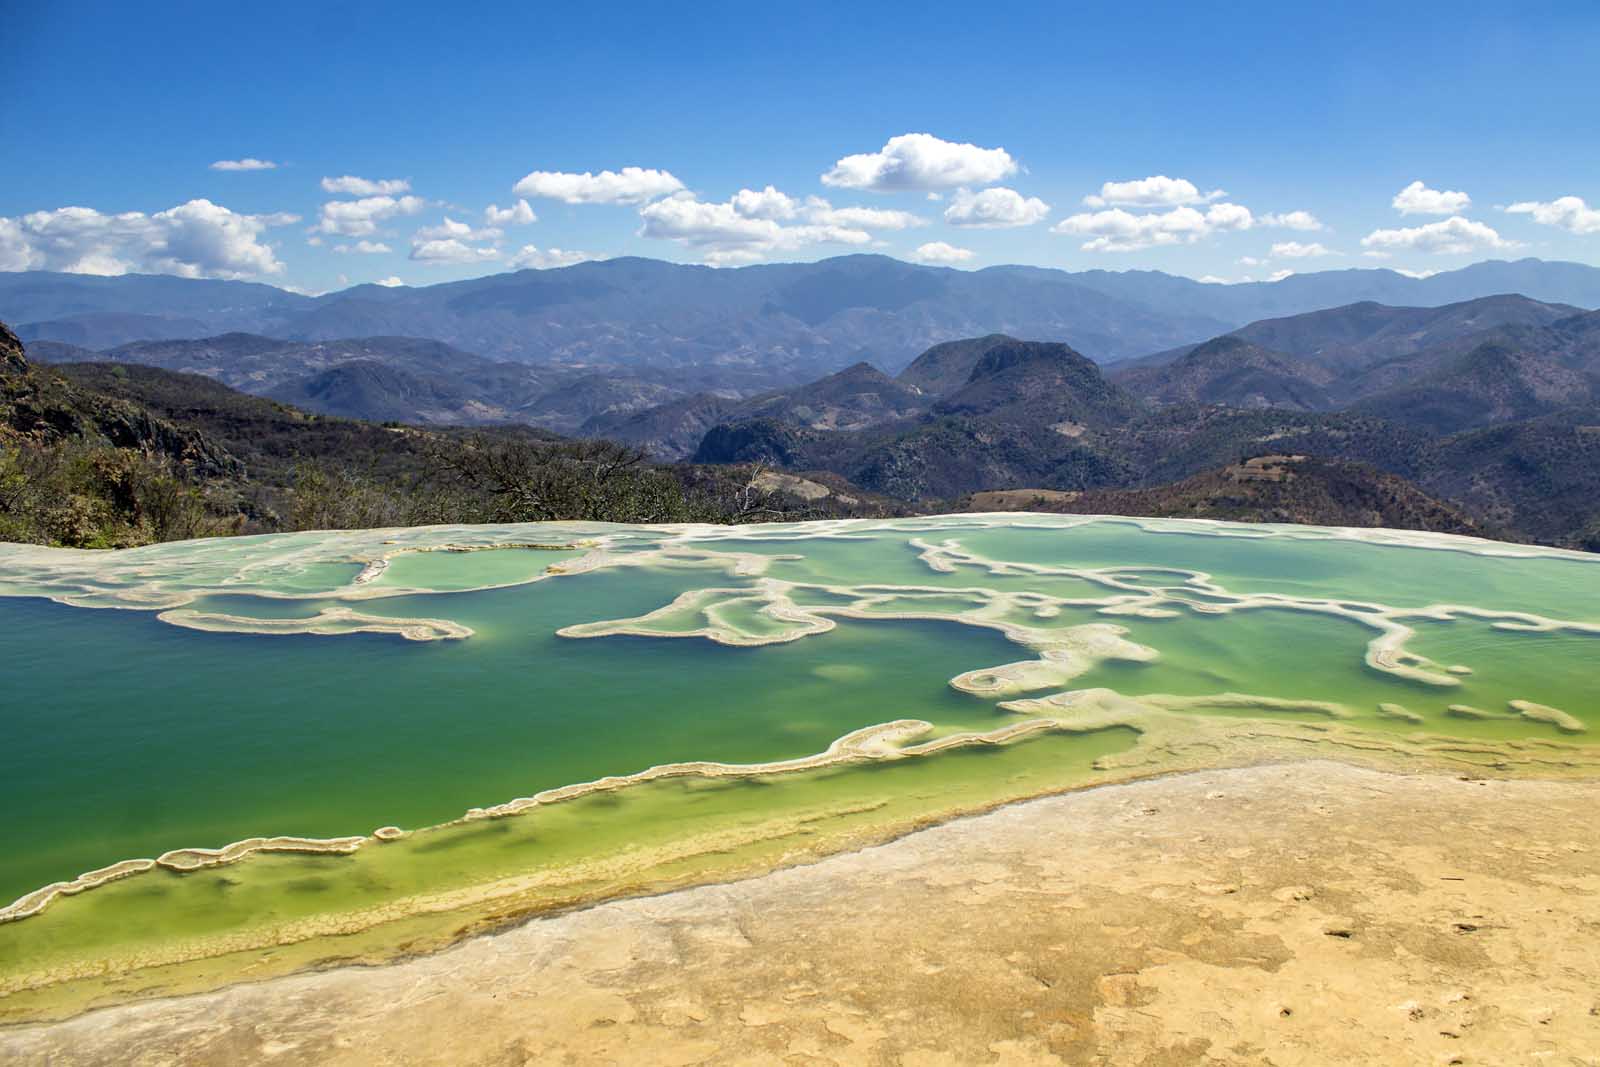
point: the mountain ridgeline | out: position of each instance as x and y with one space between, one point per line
752 327
1477 414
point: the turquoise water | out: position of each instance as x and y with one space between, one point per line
169 738
128 735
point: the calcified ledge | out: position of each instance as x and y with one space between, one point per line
883 741
328 622
157 577
1075 711
180 860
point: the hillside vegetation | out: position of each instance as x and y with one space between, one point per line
102 455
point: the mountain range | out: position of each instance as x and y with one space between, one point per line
746 328
1489 405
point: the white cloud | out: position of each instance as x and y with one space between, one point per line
1452 236
450 228
518 214
1571 213
921 161
247 163
995 208
753 224
1251 261
822 213
451 250
726 236
767 203
1212 279
1279 275
776 206
360 218
1418 199
454 242
1297 250
941 252
633 185
1158 190
529 256
1419 274
1292 220
391 282
365 248
1116 230
350 185
198 239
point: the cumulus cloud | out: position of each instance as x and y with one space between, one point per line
518 214
632 185
753 224
451 250
456 242
1452 236
247 163
1116 230
1418 274
941 252
365 248
1297 250
391 282
197 239
1158 190
921 161
1291 220
350 185
360 218
819 211
766 203
1418 199
1279 275
996 208
1571 213
726 236
450 228
542 259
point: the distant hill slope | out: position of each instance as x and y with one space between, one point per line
1358 336
379 378
569 407
1492 383
944 368
852 399
1230 370
367 389
40 405
670 431
858 396
1028 410
1039 383
1539 477
102 329
1271 488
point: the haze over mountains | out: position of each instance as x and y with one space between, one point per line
755 326
1486 403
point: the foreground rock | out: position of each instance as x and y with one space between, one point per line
1304 913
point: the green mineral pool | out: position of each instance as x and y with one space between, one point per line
244 756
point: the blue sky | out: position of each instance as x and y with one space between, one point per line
1259 114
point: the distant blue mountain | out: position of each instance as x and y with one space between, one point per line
783 323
